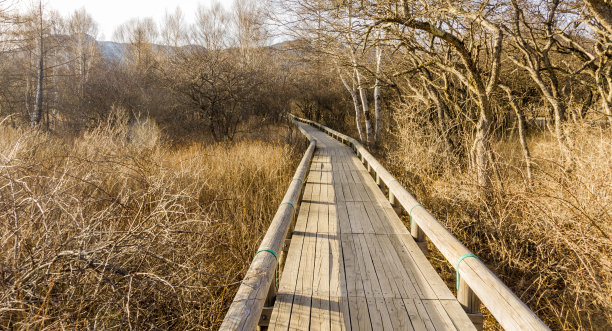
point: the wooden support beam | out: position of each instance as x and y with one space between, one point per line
264 319
419 237
471 304
395 204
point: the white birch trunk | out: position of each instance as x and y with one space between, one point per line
38 105
364 105
377 98
353 93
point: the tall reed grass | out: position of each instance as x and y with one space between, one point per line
99 232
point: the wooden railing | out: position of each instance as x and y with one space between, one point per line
257 289
477 283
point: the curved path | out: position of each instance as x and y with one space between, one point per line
352 264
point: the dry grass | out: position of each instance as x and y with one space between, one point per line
97 232
551 243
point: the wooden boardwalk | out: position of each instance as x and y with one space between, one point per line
352 264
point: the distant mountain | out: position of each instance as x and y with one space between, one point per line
112 51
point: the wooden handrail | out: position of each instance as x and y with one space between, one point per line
504 305
245 311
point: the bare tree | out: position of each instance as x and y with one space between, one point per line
396 20
36 114
536 49
377 94
174 30
83 32
210 74
140 35
249 20
522 132
602 10
334 31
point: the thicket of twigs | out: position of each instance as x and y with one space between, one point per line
113 230
549 242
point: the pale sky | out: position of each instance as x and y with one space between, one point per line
111 13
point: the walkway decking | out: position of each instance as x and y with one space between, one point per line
352 263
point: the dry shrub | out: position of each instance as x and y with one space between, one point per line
551 242
98 233
144 133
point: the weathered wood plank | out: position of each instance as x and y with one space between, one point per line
426 271
354 285
380 226
383 273
457 315
402 279
367 273
418 315
320 314
365 270
284 300
354 217
360 317
300 313
399 315
340 316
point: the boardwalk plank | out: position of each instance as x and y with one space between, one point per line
399 315
360 316
438 315
320 314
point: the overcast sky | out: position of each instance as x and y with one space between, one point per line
110 13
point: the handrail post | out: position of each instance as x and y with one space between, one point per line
471 304
394 203
419 236
266 312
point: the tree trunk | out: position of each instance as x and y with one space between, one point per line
377 98
522 131
559 108
38 106
442 111
364 104
353 93
482 142
27 100
482 149
606 96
